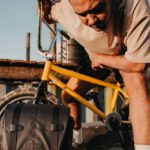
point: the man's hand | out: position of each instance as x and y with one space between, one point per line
96 60
116 62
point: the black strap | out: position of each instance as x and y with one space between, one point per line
64 118
52 114
55 128
14 127
36 145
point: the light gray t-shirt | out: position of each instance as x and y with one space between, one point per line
136 31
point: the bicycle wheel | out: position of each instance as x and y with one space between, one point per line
24 95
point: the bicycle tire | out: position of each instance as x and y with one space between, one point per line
24 95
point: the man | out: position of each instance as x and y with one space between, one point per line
103 28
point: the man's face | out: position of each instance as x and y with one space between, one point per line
93 13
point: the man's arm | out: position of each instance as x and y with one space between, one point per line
117 62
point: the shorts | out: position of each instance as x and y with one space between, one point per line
85 68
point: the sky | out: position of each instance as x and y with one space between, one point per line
17 17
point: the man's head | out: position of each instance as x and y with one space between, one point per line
93 13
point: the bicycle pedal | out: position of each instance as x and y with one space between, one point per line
113 121
90 96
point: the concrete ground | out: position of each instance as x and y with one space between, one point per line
97 137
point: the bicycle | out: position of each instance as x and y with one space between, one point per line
28 95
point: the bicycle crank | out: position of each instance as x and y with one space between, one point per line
113 121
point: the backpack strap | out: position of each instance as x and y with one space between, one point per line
55 128
15 127
65 120
59 123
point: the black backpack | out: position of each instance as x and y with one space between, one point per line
36 127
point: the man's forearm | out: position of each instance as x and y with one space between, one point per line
119 62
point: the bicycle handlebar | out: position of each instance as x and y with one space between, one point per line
45 52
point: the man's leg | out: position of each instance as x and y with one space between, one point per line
82 88
137 89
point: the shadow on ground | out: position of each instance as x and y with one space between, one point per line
97 137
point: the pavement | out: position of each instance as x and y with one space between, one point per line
98 137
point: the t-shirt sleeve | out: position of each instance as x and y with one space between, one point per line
137 37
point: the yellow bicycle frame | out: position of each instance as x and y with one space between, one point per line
48 74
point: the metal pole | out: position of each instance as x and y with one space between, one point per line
53 51
52 87
28 46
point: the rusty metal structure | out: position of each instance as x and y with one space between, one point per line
19 70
